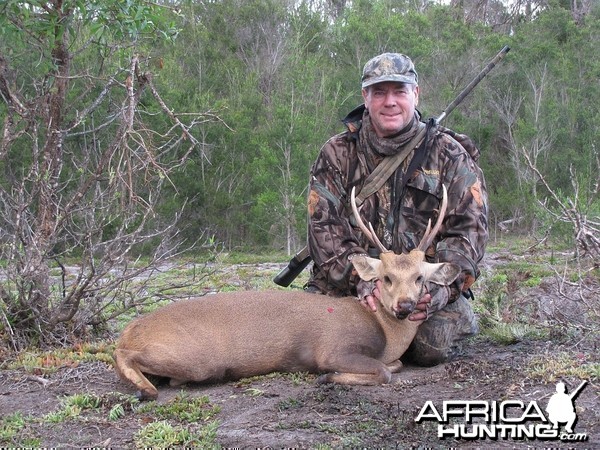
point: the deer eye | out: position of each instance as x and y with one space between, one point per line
419 279
387 280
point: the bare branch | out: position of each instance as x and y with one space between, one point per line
101 210
586 233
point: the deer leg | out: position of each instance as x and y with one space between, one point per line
358 370
128 370
395 366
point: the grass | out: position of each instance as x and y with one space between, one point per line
554 367
289 403
194 423
184 421
165 435
507 313
255 258
510 333
44 362
183 408
11 426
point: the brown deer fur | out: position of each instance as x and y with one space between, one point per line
241 334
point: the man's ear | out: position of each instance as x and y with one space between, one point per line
365 96
367 268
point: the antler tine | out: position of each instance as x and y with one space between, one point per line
370 234
431 232
427 229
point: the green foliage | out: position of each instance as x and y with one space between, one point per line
560 366
510 333
193 426
117 18
72 407
163 435
183 408
282 74
501 318
116 412
10 426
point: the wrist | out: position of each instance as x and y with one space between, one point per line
365 289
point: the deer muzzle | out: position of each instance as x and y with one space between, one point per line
403 308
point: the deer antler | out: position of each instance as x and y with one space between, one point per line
368 232
430 233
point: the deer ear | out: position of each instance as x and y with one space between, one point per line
441 273
367 268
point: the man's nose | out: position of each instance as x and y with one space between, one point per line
390 98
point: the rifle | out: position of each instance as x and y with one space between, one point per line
299 262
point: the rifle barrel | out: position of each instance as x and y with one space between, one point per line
473 83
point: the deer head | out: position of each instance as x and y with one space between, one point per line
404 276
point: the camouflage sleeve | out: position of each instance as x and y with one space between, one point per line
465 231
331 237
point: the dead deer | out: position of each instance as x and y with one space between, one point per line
234 335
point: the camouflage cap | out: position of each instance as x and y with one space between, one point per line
389 67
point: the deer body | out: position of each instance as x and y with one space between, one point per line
241 334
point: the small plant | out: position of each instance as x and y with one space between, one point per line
72 407
299 378
63 415
551 368
83 401
10 426
254 392
162 434
195 412
509 333
290 403
116 412
182 408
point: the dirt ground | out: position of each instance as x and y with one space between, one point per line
291 411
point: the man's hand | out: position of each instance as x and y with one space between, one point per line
430 303
369 294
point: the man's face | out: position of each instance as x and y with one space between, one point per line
391 105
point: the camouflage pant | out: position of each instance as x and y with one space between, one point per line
438 336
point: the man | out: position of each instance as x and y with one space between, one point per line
401 208
561 408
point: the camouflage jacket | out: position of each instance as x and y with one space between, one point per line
342 164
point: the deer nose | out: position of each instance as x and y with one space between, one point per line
403 309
